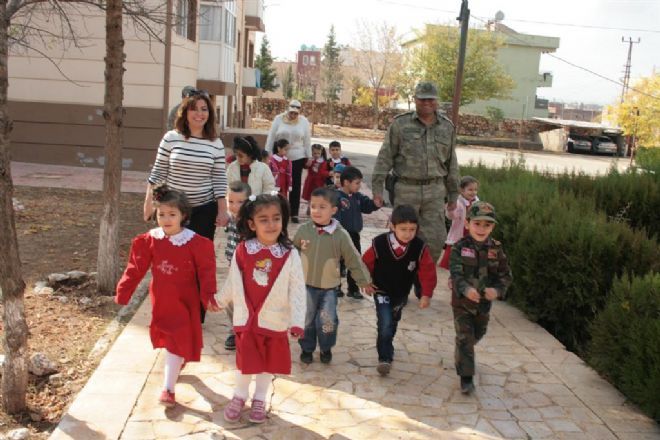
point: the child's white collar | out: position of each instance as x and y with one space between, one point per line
337 160
330 228
465 201
320 160
278 158
253 245
179 239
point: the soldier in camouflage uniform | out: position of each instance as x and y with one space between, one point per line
419 150
480 274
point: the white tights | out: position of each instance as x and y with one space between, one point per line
172 368
262 381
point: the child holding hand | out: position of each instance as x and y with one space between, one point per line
267 289
182 265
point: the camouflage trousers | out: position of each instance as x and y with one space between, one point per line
429 202
470 327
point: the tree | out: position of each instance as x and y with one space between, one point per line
264 62
407 78
288 83
483 77
20 28
113 112
639 113
377 57
331 73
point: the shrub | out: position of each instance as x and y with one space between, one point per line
648 159
625 343
564 254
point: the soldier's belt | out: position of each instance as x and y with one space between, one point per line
429 181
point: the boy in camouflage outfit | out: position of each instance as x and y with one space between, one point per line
480 274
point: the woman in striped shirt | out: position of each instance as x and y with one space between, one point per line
191 159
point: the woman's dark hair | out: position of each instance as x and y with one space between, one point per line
248 146
250 208
279 144
162 195
468 180
404 214
322 148
181 121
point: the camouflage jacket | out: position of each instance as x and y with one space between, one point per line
416 151
478 265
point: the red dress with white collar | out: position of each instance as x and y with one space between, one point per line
317 173
257 352
183 270
280 166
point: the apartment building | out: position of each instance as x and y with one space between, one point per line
56 92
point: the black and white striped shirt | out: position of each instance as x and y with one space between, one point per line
194 166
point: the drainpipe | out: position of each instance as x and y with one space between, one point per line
167 67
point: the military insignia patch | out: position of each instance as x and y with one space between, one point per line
467 252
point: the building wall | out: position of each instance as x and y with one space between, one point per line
522 64
57 111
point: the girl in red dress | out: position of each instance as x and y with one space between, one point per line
182 265
317 171
267 287
280 165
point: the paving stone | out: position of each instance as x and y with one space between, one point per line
562 425
509 429
527 415
537 429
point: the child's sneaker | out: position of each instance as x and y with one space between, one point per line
167 399
383 368
326 356
340 293
258 411
233 409
354 295
467 386
306 357
230 342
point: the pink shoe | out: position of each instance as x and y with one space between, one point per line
233 409
258 412
167 399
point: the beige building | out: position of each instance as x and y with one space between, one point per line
56 96
520 57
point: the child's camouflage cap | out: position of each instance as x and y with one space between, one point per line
482 211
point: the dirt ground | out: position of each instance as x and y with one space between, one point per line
332 131
58 232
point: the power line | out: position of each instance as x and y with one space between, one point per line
586 26
576 65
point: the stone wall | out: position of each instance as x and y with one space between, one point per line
348 115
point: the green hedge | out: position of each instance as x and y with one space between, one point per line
648 159
626 340
564 251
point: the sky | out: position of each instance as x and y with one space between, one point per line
578 23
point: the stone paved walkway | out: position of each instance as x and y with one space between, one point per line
528 385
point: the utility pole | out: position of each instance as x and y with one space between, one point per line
626 72
464 18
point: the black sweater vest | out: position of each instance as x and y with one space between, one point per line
393 275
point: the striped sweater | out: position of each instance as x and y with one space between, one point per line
194 166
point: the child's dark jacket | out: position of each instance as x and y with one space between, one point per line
350 210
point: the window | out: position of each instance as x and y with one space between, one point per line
312 60
305 60
186 11
210 23
230 29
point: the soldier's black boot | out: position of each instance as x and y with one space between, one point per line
467 386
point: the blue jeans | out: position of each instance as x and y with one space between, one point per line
321 321
388 316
